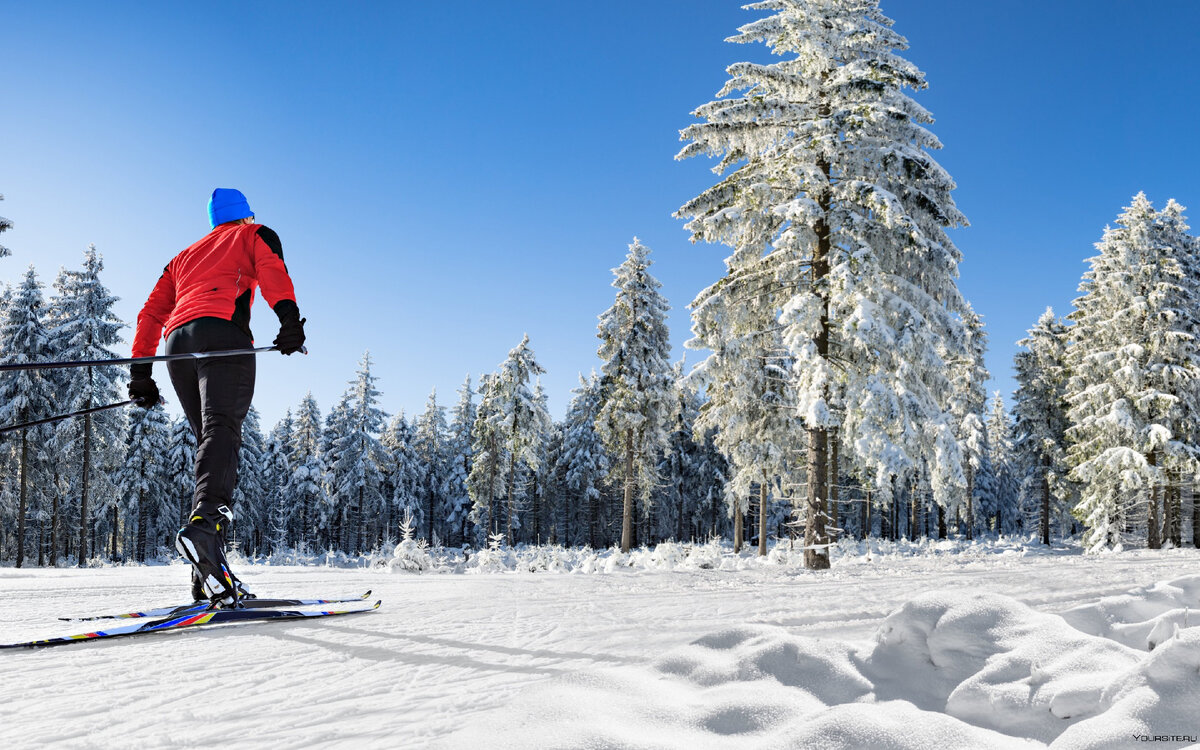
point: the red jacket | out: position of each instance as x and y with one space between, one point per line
215 278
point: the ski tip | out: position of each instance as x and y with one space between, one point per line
377 603
364 596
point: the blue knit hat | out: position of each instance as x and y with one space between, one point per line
227 204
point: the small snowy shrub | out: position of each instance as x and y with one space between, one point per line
411 555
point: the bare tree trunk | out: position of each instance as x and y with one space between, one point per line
738 533
762 519
24 505
54 521
627 512
512 484
360 511
143 519
593 519
941 518
679 513
1044 526
87 473
115 519
865 515
1195 517
493 467
537 512
914 514
885 516
834 490
1178 509
1153 539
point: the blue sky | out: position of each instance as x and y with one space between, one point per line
449 176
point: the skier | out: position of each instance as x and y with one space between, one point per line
202 301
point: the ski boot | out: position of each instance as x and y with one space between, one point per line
202 543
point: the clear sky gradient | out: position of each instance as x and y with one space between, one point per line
449 176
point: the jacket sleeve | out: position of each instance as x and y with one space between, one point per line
154 315
269 269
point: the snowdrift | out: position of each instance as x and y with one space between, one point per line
947 669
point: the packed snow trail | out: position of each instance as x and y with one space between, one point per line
446 650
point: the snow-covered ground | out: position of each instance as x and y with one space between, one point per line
951 647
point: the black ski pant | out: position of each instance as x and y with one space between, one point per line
215 395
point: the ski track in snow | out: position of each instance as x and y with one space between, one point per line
444 649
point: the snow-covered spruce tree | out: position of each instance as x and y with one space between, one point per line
406 473
332 520
751 405
84 328
25 395
522 425
144 488
968 399
637 396
181 463
357 477
1040 421
585 465
1000 498
1134 368
680 491
251 495
485 483
311 505
551 491
277 474
430 443
458 465
829 171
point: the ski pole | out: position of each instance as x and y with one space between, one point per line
61 417
136 360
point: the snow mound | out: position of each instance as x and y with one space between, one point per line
1156 699
946 669
993 662
1143 618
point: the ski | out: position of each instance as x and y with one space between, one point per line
190 620
181 609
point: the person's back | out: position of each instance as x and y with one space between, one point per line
202 301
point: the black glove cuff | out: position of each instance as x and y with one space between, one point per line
140 371
287 311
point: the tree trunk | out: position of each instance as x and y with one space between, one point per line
679 512
493 467
1153 539
834 493
1195 517
1178 509
54 522
21 510
1044 526
143 520
115 519
87 472
738 532
512 484
914 513
816 553
762 519
358 531
941 515
627 512
865 516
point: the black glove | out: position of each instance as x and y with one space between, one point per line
291 327
142 388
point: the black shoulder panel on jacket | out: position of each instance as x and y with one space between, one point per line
268 236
